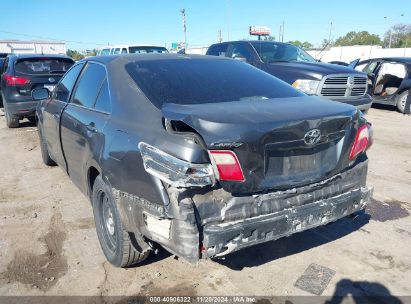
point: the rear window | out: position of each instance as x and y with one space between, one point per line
196 81
146 49
43 66
1 63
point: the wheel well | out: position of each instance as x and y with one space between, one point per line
92 175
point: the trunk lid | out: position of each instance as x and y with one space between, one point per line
268 138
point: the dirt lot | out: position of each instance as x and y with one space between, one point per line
48 243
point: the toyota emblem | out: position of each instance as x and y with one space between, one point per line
51 79
312 137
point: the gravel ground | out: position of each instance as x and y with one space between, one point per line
48 243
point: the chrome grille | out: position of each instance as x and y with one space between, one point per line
343 86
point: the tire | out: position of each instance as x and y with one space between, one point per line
11 122
114 240
32 120
45 155
401 100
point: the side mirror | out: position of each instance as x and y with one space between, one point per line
40 94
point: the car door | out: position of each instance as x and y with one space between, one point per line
372 69
82 123
52 110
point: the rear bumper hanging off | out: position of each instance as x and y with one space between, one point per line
221 239
210 222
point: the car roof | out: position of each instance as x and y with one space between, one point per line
24 56
148 57
129 45
398 59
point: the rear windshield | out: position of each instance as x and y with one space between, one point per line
2 62
36 66
146 49
196 81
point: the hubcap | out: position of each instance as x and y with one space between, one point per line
402 101
110 222
107 223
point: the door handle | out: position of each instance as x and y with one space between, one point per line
91 127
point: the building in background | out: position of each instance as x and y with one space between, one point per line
30 47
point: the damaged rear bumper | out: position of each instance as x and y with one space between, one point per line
221 239
208 222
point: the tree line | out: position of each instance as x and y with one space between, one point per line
399 34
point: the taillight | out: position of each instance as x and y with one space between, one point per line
16 80
227 164
175 171
363 140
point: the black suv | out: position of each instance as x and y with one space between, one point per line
298 68
21 74
2 59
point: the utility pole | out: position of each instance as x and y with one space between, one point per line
282 35
279 34
390 38
219 39
329 35
228 19
183 15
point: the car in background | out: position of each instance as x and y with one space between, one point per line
296 67
2 59
20 75
389 80
202 155
130 49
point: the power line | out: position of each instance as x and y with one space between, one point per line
49 38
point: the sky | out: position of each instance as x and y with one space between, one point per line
91 24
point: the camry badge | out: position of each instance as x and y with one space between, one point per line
312 137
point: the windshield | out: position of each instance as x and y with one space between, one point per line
35 66
146 49
196 81
280 52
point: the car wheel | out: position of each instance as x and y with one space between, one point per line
32 120
12 122
45 155
401 100
114 240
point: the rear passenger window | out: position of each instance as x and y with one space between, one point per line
89 85
117 51
65 86
124 51
103 100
